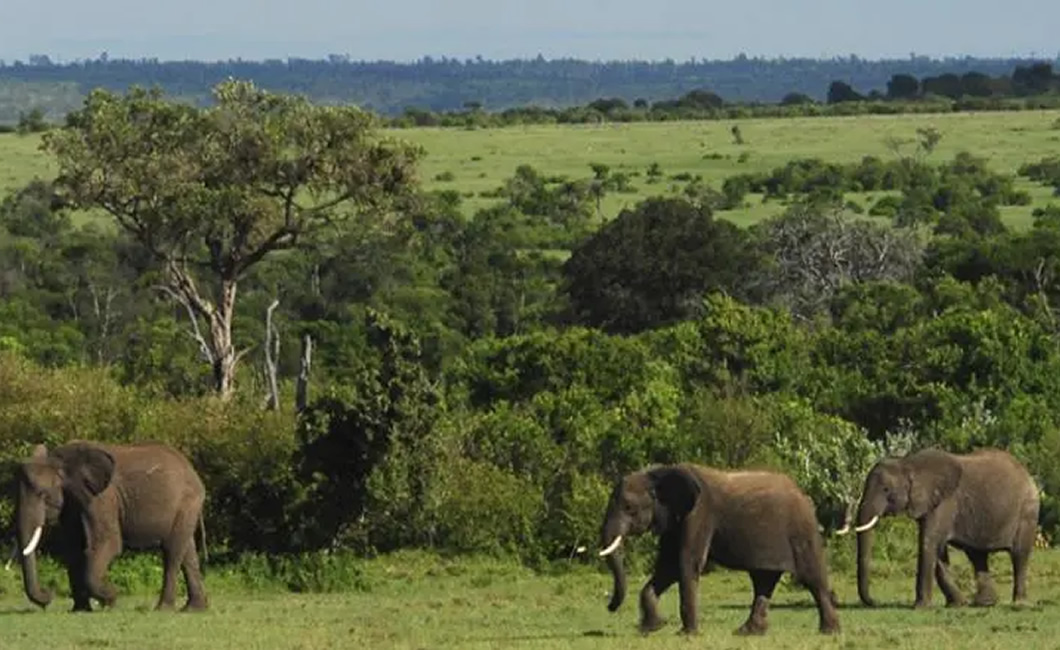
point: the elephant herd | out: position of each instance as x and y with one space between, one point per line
104 498
762 523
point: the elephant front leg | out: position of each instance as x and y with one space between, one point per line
665 575
945 580
75 573
927 559
97 561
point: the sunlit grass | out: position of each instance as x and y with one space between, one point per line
479 160
414 600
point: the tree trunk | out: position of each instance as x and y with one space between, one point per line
272 353
301 392
224 353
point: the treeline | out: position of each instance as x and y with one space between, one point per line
1032 87
477 383
447 84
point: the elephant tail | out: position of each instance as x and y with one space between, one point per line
202 537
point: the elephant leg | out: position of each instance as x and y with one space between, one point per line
75 572
193 578
73 550
985 593
764 583
171 566
665 575
175 550
945 580
927 560
1020 559
97 561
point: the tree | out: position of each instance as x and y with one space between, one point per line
816 250
839 91
903 86
210 192
652 265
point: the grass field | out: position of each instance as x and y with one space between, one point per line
479 160
409 600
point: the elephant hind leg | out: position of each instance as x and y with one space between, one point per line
193 578
811 572
985 593
764 583
175 549
1020 559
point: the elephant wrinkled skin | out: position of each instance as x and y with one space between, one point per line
755 521
104 498
980 502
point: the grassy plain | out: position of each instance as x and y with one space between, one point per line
479 160
411 600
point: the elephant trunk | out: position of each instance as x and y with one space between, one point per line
610 542
865 539
30 528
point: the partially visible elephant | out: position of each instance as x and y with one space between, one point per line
756 521
104 498
980 502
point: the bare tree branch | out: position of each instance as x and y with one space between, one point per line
196 333
272 353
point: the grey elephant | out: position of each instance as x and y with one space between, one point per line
980 502
104 498
755 521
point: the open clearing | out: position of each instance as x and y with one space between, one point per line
479 160
409 601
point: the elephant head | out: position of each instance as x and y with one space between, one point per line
913 485
656 499
46 481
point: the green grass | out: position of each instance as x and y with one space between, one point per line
480 160
415 600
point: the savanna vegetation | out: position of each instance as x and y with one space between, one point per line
360 360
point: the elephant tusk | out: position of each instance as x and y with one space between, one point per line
611 549
872 522
32 546
844 530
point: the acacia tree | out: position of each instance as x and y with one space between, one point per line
210 192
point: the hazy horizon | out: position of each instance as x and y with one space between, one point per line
211 30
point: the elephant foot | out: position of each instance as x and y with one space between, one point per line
955 602
829 627
752 628
688 631
922 604
81 607
652 624
984 600
194 606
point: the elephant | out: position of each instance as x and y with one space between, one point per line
103 498
755 521
979 502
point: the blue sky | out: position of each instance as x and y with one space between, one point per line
589 29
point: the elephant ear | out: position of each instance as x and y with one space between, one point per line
87 469
933 476
676 492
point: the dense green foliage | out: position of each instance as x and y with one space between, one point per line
478 383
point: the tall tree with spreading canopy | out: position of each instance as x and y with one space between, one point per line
210 192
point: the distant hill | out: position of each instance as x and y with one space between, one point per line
448 84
